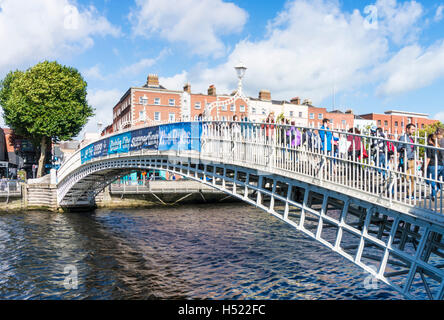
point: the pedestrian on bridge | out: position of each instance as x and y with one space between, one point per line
326 137
434 164
407 158
379 149
354 151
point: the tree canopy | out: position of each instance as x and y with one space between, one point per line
47 101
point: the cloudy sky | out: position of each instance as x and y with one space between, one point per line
375 55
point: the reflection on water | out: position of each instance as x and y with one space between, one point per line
228 251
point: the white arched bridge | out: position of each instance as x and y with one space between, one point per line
381 215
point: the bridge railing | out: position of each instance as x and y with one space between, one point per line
402 172
399 171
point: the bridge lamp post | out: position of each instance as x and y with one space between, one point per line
240 70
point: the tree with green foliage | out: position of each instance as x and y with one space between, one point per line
423 133
45 103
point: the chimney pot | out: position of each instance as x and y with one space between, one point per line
187 88
212 90
265 95
153 80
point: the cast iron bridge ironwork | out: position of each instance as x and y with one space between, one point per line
359 209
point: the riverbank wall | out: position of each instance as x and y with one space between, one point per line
42 195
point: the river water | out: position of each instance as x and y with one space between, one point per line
212 251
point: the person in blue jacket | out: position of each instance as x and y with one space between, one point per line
326 137
326 134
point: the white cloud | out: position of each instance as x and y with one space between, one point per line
439 116
175 82
411 68
197 23
310 46
137 67
103 101
31 31
93 73
439 13
399 20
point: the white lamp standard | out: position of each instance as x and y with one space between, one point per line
240 70
99 126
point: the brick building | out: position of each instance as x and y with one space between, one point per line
338 119
294 111
153 104
396 121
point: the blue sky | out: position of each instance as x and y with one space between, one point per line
376 55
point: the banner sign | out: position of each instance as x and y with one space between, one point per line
180 136
174 136
146 138
119 143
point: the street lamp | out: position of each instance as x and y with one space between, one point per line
240 70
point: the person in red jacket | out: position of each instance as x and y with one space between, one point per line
354 151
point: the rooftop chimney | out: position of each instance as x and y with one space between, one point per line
153 80
264 95
349 111
212 90
296 100
187 88
307 102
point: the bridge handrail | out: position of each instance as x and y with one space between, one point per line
273 138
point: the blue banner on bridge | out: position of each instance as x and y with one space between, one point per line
180 136
174 136
146 138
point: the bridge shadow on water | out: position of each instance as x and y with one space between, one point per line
223 251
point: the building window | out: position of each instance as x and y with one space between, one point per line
157 101
143 100
291 113
172 102
386 123
232 108
156 116
300 114
379 122
253 110
409 120
171 117
344 123
197 105
264 112
402 124
396 123
320 116
242 108
196 118
423 126
224 107
142 115
312 115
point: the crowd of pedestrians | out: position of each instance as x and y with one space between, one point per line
378 151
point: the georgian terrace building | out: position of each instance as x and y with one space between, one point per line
153 104
394 122
262 106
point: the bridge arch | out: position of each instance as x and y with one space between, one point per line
399 244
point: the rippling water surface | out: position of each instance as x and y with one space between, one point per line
228 251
